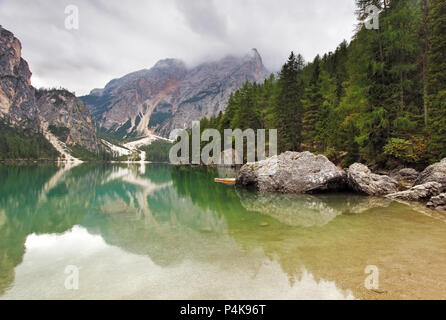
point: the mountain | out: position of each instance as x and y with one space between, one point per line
169 95
17 100
60 110
28 115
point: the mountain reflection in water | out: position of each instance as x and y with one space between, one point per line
162 232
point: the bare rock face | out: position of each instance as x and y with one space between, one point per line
22 106
405 177
362 180
420 192
292 172
408 173
17 102
438 202
433 173
125 105
61 110
170 96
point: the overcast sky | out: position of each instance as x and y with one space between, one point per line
116 37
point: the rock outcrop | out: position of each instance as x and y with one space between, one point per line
61 110
24 107
433 173
405 177
362 180
170 96
17 101
438 202
408 174
292 172
422 192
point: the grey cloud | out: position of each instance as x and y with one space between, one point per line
203 17
117 37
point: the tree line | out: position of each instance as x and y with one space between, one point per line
24 144
379 99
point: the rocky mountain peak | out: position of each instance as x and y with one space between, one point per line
17 102
62 112
24 107
255 55
169 95
11 62
169 63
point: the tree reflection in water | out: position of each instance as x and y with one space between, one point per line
178 215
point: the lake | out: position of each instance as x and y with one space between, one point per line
156 231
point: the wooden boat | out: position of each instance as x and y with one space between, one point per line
225 180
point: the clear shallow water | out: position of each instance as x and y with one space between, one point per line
161 232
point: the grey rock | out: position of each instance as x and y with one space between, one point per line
433 173
362 180
61 108
408 173
405 177
292 172
23 106
170 96
17 101
420 192
438 202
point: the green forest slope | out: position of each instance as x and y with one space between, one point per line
380 99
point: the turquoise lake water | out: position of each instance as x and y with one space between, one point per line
155 231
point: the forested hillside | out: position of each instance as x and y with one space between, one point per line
380 99
24 144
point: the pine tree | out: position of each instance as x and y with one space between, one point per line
368 100
436 79
288 118
312 102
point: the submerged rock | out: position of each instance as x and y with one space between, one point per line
298 210
421 192
308 210
292 172
433 173
361 179
438 202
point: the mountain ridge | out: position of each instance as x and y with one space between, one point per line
170 95
39 111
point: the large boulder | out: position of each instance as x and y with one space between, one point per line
433 173
362 180
405 177
421 192
438 202
408 173
292 172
